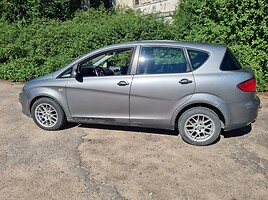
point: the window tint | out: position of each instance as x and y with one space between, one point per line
162 60
197 58
107 64
229 62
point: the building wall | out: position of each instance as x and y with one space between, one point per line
164 6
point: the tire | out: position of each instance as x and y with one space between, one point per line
199 126
48 114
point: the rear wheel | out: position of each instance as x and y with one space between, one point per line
199 126
48 114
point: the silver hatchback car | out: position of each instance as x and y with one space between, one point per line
198 89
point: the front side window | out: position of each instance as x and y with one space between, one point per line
109 63
66 74
162 60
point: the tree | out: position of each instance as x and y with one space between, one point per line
28 10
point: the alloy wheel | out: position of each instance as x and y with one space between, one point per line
199 127
46 115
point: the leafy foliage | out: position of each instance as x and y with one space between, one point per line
241 24
28 10
40 36
29 51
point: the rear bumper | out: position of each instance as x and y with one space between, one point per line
243 114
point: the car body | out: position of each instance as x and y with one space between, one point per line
199 89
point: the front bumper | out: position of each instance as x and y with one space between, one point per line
24 101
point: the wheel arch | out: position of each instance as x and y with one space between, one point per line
206 105
46 96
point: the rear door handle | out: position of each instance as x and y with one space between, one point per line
122 83
185 81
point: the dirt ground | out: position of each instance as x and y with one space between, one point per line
105 162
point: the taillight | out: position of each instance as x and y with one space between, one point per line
248 86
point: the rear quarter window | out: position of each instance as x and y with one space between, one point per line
197 58
229 62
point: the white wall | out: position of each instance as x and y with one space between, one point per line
163 6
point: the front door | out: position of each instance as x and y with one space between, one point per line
101 90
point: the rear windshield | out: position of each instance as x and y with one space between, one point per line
229 62
197 58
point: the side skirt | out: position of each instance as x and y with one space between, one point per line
107 121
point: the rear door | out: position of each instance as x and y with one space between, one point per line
163 82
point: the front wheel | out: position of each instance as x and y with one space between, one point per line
199 126
48 114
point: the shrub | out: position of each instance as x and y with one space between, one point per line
241 24
28 51
28 10
40 46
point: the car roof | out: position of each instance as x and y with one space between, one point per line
193 45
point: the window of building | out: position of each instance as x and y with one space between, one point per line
137 2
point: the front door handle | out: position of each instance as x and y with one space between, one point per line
185 81
122 83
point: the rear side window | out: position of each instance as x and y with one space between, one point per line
229 62
162 60
197 58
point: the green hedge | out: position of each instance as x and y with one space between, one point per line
29 50
241 24
41 47
28 10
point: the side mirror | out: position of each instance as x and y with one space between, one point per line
74 73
